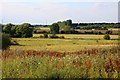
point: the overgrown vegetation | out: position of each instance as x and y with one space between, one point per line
88 63
6 41
107 37
59 52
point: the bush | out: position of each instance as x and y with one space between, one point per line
62 37
41 36
106 37
6 41
53 36
108 32
45 35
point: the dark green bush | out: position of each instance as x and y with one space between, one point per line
106 37
6 41
45 35
41 36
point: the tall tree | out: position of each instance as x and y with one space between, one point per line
69 22
54 28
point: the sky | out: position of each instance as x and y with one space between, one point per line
50 11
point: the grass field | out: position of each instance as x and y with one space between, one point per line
81 36
76 56
92 63
61 44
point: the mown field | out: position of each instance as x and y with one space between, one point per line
76 56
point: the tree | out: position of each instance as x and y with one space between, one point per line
67 28
54 28
25 30
7 28
45 35
69 23
13 31
1 28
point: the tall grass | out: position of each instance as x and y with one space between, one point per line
87 63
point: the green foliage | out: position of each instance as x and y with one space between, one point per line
7 28
13 31
67 28
106 37
108 32
100 26
53 36
102 63
69 23
6 41
61 37
24 30
41 36
54 28
45 35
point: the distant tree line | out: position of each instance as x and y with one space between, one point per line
67 27
98 26
84 26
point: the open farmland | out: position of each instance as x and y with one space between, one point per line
81 36
60 40
70 43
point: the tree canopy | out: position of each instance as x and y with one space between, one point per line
23 30
54 28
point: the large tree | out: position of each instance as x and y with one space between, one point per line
69 22
54 28
7 28
24 30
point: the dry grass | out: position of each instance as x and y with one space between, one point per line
60 44
81 36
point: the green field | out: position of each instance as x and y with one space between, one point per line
70 43
76 56
81 36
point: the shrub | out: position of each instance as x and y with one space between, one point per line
108 32
62 37
45 35
41 36
106 37
53 36
6 41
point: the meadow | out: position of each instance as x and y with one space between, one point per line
76 56
89 63
71 42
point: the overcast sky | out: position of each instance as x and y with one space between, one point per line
50 11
